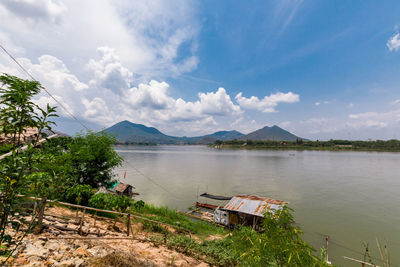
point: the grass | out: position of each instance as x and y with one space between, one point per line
166 215
215 252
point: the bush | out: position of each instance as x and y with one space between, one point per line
107 201
138 205
79 194
281 243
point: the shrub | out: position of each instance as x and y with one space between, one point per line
138 205
79 194
107 201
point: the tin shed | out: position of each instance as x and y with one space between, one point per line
249 209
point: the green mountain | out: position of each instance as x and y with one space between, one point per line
270 133
128 132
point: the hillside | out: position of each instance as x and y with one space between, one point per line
270 133
128 132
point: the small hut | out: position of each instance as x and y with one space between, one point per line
124 189
249 210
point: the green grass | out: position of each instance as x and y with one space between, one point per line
166 215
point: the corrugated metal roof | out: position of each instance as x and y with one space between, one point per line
253 205
122 187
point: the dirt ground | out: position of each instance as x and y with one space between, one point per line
67 240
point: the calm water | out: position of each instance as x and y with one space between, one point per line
354 197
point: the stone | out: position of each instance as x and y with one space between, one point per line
98 251
4 258
58 256
67 263
36 249
52 245
79 262
34 261
81 252
21 260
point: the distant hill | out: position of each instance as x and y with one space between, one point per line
211 138
128 132
270 133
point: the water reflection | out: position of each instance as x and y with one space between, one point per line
352 196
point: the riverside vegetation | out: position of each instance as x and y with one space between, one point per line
300 144
72 169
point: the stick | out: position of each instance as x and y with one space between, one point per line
128 224
367 263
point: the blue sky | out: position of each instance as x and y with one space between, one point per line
321 69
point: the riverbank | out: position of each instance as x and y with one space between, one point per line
110 247
332 145
74 238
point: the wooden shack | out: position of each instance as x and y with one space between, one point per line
124 189
249 210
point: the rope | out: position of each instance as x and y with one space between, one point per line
33 78
345 247
154 182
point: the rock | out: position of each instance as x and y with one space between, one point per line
36 249
58 256
81 252
3 260
98 251
79 262
54 232
21 260
67 263
52 245
34 261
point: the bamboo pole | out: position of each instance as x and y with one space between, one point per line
42 205
128 224
362 262
26 146
111 212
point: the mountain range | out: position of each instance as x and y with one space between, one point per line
128 132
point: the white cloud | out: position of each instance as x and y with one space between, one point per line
393 43
109 97
38 10
395 102
317 103
108 72
268 103
143 32
374 119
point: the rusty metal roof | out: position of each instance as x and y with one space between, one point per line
122 187
253 205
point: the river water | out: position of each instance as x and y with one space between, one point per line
354 197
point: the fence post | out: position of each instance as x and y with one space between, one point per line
81 222
327 244
128 224
42 204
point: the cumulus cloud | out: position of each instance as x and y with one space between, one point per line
395 102
393 43
108 72
109 97
268 103
38 10
374 119
143 32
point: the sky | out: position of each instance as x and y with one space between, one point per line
320 69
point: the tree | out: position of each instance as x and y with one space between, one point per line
17 114
280 244
92 158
